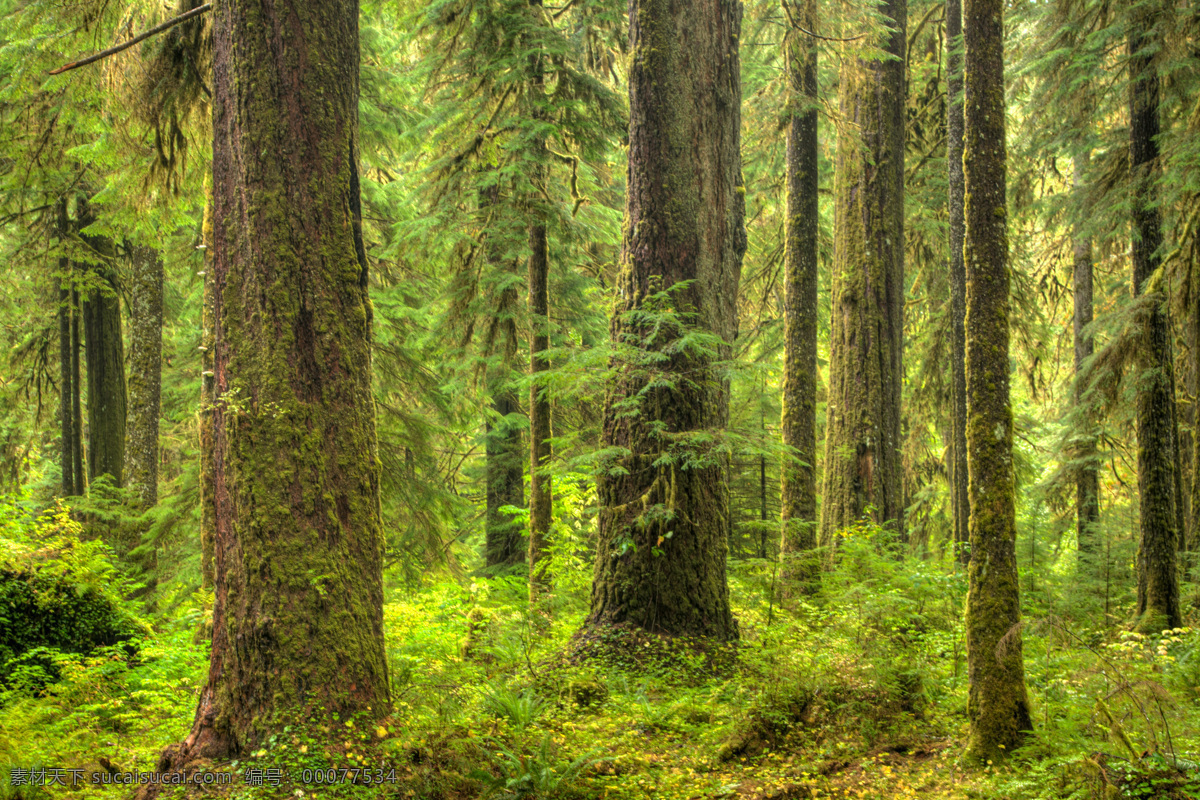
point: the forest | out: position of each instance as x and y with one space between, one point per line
587 399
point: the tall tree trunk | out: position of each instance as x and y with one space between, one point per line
68 389
1158 585
1087 481
208 410
959 503
105 352
77 389
862 435
664 504
541 508
145 372
997 704
801 566
297 617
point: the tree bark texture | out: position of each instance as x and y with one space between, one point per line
105 353
997 704
1087 481
1158 584
801 566
71 447
959 503
664 518
145 372
862 436
298 548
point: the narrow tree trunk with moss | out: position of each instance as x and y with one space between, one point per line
959 503
541 508
1158 584
862 435
664 500
208 465
997 704
145 372
105 352
77 390
1087 481
801 567
297 617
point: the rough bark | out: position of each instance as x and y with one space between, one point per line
862 436
297 616
105 354
1158 584
664 504
997 705
1087 480
801 566
959 502
145 372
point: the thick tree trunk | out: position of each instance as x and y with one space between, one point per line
297 617
959 503
801 566
862 436
997 705
1087 481
664 504
105 352
145 372
1158 584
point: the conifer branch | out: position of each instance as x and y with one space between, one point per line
141 37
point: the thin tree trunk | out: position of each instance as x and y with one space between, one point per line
801 567
505 476
997 704
297 616
1087 482
1158 585
541 503
77 391
664 504
959 503
208 410
145 372
862 436
67 387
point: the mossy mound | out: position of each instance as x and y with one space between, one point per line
678 659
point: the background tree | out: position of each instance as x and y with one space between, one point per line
863 437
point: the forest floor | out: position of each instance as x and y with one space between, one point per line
860 693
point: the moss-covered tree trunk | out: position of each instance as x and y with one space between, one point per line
208 464
1087 479
664 502
77 388
297 618
105 353
145 372
997 704
799 418
862 434
1158 584
959 503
